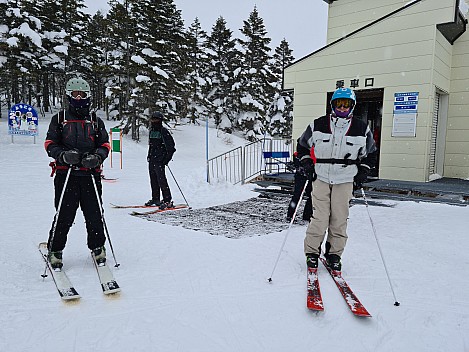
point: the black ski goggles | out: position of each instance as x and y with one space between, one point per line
79 94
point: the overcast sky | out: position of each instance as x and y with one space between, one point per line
303 23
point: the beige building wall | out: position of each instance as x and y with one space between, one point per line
346 16
403 53
457 139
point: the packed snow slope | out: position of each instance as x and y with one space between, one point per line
187 290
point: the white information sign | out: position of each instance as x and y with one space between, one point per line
404 125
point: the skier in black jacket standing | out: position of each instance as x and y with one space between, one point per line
79 143
160 152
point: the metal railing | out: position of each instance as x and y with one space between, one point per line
241 164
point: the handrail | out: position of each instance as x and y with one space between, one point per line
243 163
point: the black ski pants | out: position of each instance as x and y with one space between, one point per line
299 184
79 192
158 181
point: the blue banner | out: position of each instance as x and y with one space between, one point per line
23 120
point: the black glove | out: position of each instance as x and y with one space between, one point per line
361 177
308 167
91 161
167 159
70 157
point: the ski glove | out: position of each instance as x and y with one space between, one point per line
70 157
91 161
361 177
309 171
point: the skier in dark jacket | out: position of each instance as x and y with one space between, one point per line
300 180
79 143
160 152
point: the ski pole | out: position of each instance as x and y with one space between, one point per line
56 216
101 210
288 232
396 302
180 190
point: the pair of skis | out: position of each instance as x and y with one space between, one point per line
156 209
65 287
314 298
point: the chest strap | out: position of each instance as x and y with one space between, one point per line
56 167
345 162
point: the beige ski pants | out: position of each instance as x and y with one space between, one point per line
330 212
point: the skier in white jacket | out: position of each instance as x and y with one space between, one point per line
337 151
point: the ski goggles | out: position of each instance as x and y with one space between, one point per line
342 103
79 94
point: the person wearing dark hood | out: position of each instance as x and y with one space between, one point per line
161 148
79 143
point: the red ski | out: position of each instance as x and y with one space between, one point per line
314 299
350 298
174 207
133 206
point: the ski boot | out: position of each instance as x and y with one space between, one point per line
166 205
55 260
333 262
312 260
153 202
100 255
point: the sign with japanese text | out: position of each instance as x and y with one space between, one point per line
404 122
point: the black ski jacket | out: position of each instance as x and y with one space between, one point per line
69 131
161 146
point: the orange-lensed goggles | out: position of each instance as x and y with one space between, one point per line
342 103
78 93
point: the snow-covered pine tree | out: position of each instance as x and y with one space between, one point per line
224 59
98 52
281 110
255 86
24 47
65 43
157 60
121 30
195 102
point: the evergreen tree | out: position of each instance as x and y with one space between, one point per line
24 47
198 66
65 44
256 81
224 59
281 110
122 35
97 53
158 58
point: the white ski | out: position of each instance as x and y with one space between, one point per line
66 290
106 278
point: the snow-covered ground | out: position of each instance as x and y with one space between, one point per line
186 290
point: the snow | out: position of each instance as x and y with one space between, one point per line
138 59
26 31
160 71
187 290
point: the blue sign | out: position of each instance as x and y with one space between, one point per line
406 103
23 120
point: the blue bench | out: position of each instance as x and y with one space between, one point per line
275 159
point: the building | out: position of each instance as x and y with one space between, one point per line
408 62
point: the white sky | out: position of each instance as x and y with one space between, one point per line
303 23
